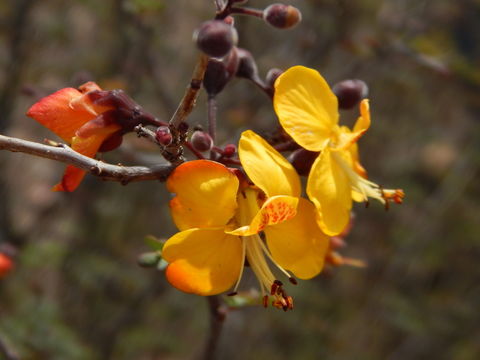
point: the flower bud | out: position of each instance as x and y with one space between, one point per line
163 135
229 150
247 67
216 77
215 38
149 259
272 75
282 16
201 141
302 160
6 264
350 93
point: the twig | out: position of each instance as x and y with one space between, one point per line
6 353
65 154
217 318
188 102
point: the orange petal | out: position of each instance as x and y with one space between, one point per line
275 210
73 176
206 194
56 113
203 261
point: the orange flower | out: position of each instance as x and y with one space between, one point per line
72 115
6 264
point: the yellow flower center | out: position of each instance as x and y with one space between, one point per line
254 251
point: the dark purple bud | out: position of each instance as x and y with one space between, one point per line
183 127
216 77
272 76
112 142
350 93
232 62
201 141
229 150
302 160
282 16
215 38
247 67
163 135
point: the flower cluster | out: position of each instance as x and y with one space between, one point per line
226 219
254 213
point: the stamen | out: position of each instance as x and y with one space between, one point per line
293 280
265 301
232 293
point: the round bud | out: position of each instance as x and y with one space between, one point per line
272 76
163 135
6 264
282 16
216 77
149 259
215 38
302 160
247 67
201 141
350 93
229 150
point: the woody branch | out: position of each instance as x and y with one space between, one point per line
65 154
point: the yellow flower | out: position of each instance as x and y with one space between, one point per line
308 111
220 219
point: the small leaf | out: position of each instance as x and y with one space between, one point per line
154 243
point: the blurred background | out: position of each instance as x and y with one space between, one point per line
76 291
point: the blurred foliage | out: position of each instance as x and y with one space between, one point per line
77 292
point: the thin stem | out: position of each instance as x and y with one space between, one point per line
217 318
212 117
246 11
188 101
65 154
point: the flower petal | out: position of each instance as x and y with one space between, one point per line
205 194
203 261
306 107
89 146
266 167
275 210
298 244
57 113
348 138
329 189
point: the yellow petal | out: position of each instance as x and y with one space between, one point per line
329 189
298 244
363 122
306 107
275 210
205 194
203 261
266 167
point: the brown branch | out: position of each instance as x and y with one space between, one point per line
188 102
65 154
217 318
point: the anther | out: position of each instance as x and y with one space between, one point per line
289 300
278 282
367 203
232 293
293 280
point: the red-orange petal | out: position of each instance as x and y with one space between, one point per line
73 176
56 113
